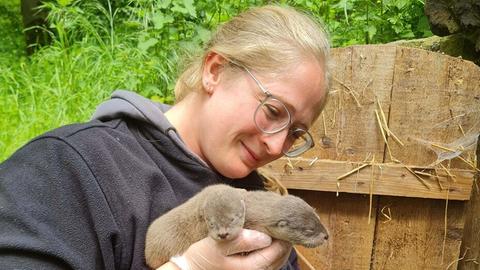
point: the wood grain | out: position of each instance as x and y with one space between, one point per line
413 238
427 98
471 237
388 179
350 234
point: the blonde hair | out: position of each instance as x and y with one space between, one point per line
266 39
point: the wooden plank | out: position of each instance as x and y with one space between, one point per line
470 250
389 179
420 234
359 74
414 237
350 234
432 95
425 97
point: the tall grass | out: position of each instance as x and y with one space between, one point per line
97 47
102 45
62 83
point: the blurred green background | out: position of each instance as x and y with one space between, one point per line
98 46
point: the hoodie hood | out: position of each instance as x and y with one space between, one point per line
129 104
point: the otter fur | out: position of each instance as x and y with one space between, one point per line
221 211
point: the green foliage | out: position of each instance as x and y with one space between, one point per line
102 45
369 21
12 43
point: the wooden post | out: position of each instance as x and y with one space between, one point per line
471 235
398 130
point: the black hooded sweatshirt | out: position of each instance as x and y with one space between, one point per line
82 196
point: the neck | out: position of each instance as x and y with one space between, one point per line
183 116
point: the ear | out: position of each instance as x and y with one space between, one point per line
211 71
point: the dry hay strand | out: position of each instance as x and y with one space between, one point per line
353 171
304 259
384 123
387 216
372 180
272 183
417 176
457 260
352 92
384 136
445 219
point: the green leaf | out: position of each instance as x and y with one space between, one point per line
401 3
64 3
190 7
203 33
371 30
145 45
179 9
423 27
164 3
159 20
407 34
186 7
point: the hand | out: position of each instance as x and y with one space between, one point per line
208 254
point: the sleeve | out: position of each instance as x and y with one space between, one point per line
53 214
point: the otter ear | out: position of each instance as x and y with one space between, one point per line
282 223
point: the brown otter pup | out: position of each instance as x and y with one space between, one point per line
221 211
287 218
217 211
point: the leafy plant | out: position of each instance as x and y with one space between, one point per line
369 21
98 46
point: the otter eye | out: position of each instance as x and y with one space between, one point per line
282 223
309 232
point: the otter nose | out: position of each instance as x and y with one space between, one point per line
222 235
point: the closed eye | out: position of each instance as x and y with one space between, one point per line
271 111
296 133
309 232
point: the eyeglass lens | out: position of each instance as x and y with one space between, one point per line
298 142
271 115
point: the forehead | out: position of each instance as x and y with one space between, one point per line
301 88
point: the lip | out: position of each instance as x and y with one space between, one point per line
252 157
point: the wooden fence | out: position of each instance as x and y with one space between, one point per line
395 162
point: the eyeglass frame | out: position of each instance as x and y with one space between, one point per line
309 142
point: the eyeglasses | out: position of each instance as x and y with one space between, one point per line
273 116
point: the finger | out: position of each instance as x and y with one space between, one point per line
272 257
246 241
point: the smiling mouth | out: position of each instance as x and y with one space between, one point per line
251 153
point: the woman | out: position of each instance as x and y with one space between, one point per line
82 196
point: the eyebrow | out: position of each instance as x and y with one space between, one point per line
265 90
292 111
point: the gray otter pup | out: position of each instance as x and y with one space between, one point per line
217 211
287 218
221 211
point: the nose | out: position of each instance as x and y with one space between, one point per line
275 142
222 235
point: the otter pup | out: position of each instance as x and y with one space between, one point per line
217 211
221 211
287 218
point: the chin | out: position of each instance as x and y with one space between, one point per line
235 171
